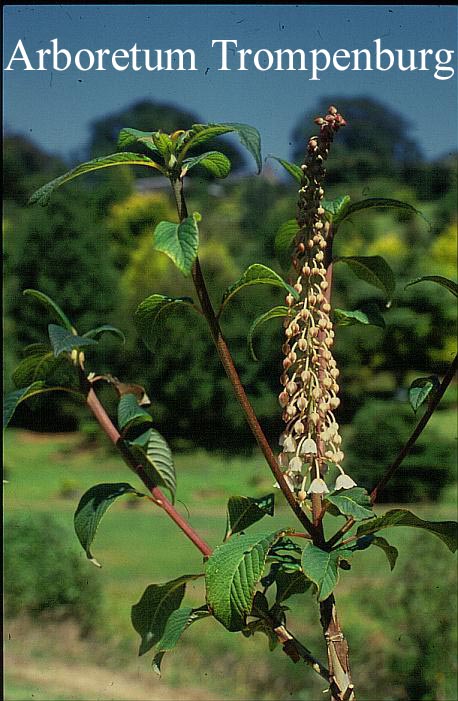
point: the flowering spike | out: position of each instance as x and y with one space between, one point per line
309 369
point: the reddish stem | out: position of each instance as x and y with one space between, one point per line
159 498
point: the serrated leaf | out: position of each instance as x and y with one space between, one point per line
163 143
200 133
232 573
289 583
390 551
51 305
336 207
150 310
242 512
373 270
449 285
43 365
273 313
180 242
43 195
284 242
447 531
322 568
178 621
34 366
215 162
420 389
291 168
63 341
250 138
375 202
131 414
92 506
12 400
105 328
369 314
354 502
150 615
132 136
153 451
255 275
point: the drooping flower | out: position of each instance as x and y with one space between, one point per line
318 486
308 447
344 482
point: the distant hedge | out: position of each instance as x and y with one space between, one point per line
379 430
44 575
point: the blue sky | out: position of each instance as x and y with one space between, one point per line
56 108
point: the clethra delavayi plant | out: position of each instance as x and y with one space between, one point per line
250 575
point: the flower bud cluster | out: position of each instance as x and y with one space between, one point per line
311 437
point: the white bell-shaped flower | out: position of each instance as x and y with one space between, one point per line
344 482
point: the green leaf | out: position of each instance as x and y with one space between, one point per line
420 389
130 414
150 615
105 328
242 512
443 281
261 626
322 568
127 137
164 144
250 138
36 365
375 202
390 551
447 531
284 242
286 544
254 275
179 241
294 170
43 195
13 399
153 451
369 314
232 573
150 310
200 133
55 372
215 162
64 341
289 583
92 506
51 306
273 313
354 502
336 207
176 624
373 270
